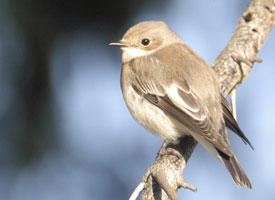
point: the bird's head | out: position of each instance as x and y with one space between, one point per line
144 39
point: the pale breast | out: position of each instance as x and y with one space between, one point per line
151 117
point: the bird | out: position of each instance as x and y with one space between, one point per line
173 92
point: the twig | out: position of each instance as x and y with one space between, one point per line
137 191
234 102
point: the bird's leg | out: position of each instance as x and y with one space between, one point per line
161 178
169 150
170 184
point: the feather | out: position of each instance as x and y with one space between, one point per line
231 123
235 170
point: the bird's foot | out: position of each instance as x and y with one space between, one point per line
167 150
164 177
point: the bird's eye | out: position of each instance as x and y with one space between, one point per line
145 42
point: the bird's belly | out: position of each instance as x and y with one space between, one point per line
152 117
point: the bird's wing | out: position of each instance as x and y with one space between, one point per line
181 103
231 123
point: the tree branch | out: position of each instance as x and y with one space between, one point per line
232 67
236 61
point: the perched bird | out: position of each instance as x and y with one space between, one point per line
173 92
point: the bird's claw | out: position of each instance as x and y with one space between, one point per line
170 151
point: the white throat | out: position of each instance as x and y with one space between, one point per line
129 53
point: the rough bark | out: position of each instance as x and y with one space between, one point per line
232 67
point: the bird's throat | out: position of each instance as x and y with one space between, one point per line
129 53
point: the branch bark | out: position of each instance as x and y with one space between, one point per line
232 67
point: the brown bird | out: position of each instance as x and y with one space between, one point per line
173 92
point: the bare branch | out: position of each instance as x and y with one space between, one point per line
232 66
236 60
233 95
137 191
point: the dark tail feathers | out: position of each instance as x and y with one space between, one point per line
231 123
235 170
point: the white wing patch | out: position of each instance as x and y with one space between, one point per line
194 112
177 99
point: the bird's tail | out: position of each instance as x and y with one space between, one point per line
236 171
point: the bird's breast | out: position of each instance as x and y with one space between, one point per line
150 116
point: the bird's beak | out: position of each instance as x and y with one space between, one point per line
119 44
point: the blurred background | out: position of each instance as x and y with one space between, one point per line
65 132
